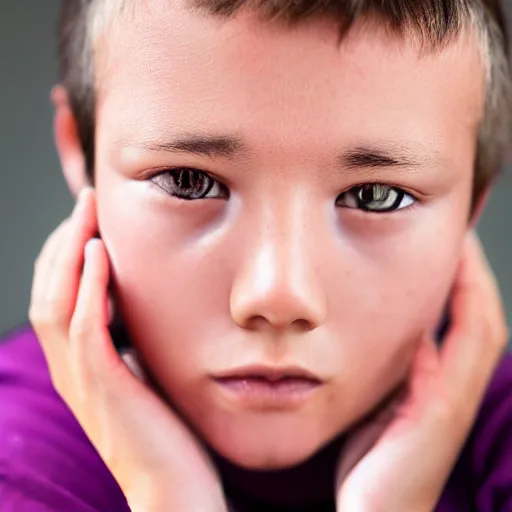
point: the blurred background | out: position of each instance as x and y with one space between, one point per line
33 195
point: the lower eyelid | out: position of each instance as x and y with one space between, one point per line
358 215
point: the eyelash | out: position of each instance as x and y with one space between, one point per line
352 199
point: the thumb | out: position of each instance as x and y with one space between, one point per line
364 437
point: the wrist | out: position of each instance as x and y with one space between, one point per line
169 501
365 503
174 506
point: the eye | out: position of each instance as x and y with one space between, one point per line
190 184
376 198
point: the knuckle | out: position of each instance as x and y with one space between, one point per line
47 315
39 318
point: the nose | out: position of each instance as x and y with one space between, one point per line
276 286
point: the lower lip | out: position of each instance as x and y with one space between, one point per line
262 393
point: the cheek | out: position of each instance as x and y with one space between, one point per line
393 294
401 277
172 293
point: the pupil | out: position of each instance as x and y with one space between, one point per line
367 194
185 180
373 193
191 183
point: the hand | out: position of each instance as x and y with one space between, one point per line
158 463
401 458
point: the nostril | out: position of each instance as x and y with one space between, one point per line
255 323
260 322
303 325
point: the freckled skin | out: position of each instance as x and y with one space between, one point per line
277 273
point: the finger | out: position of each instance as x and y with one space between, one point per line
364 436
357 446
51 255
42 268
93 352
424 377
477 337
44 311
68 263
52 300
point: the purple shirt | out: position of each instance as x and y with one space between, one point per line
48 465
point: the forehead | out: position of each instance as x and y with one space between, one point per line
185 69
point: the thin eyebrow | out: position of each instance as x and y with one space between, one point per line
203 145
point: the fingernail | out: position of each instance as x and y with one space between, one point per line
85 192
80 201
89 247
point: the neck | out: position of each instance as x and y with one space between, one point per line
309 483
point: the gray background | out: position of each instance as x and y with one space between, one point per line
33 196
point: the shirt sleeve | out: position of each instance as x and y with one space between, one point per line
29 493
491 453
47 464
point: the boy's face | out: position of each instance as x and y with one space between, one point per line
280 265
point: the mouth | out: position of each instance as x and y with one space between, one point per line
269 388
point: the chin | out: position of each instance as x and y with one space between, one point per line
262 449
267 460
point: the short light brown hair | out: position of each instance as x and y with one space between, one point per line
437 22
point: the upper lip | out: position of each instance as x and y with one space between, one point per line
270 373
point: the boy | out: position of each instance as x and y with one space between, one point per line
283 196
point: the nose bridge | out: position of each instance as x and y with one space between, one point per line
277 283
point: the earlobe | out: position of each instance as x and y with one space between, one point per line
67 141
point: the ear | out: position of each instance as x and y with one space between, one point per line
67 140
479 207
